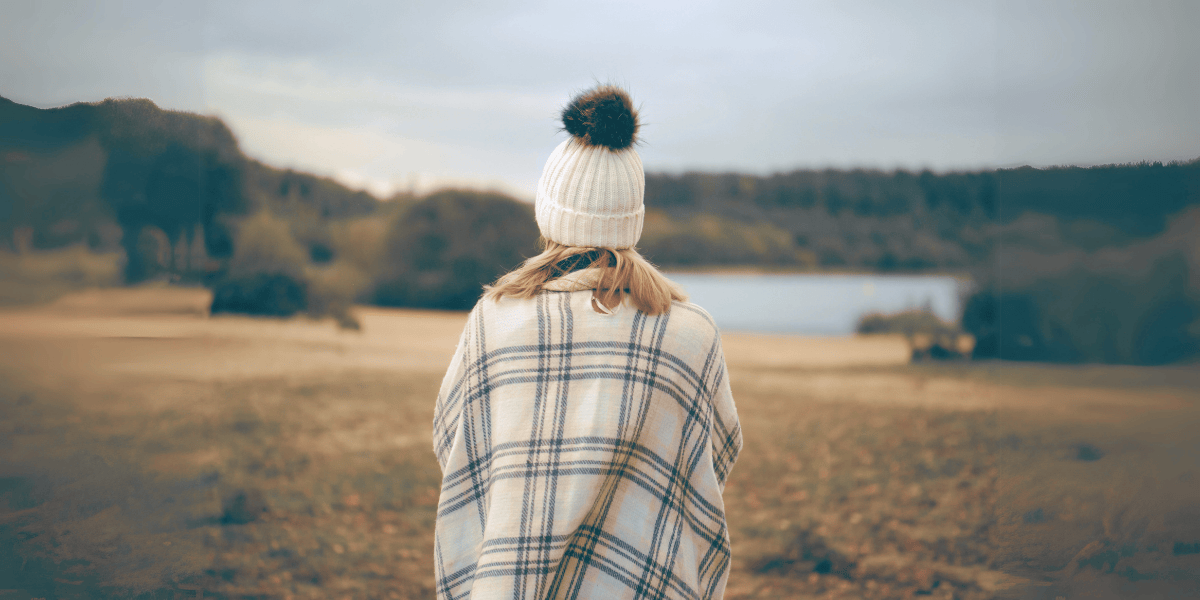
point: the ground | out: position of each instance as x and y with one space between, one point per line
146 448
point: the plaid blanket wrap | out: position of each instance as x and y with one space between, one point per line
584 455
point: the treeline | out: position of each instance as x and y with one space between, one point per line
173 193
904 221
1073 264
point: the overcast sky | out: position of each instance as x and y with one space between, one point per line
386 94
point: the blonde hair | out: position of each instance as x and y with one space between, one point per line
622 272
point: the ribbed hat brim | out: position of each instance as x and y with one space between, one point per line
591 196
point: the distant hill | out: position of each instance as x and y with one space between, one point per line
1096 264
900 220
1078 264
94 171
105 172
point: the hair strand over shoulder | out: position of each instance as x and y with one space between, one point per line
623 273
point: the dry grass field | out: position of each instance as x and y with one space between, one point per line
148 450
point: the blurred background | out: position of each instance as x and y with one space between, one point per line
954 249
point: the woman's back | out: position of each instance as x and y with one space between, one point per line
584 454
584 449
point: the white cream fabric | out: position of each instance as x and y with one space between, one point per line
584 455
590 196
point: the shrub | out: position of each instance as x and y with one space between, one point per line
266 275
907 322
442 250
1084 315
928 336
264 244
333 290
1132 304
359 241
266 294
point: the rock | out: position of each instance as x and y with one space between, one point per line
811 552
1034 516
1088 452
243 506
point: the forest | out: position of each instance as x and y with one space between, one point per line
1071 264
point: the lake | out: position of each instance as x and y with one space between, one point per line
817 304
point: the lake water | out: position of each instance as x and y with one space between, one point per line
817 304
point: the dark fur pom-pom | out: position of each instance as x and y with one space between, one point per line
603 116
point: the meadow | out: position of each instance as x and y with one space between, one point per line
147 449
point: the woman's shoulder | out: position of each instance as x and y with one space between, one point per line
692 316
683 315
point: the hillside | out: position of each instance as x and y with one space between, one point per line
112 173
92 171
888 221
1080 264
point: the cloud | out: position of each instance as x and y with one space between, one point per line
55 53
470 90
367 158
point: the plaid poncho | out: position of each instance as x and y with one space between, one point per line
583 455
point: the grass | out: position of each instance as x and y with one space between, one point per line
339 498
44 275
894 502
168 455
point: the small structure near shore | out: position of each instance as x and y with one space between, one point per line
929 337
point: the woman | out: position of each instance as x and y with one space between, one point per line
585 427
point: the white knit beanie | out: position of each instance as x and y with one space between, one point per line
591 189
